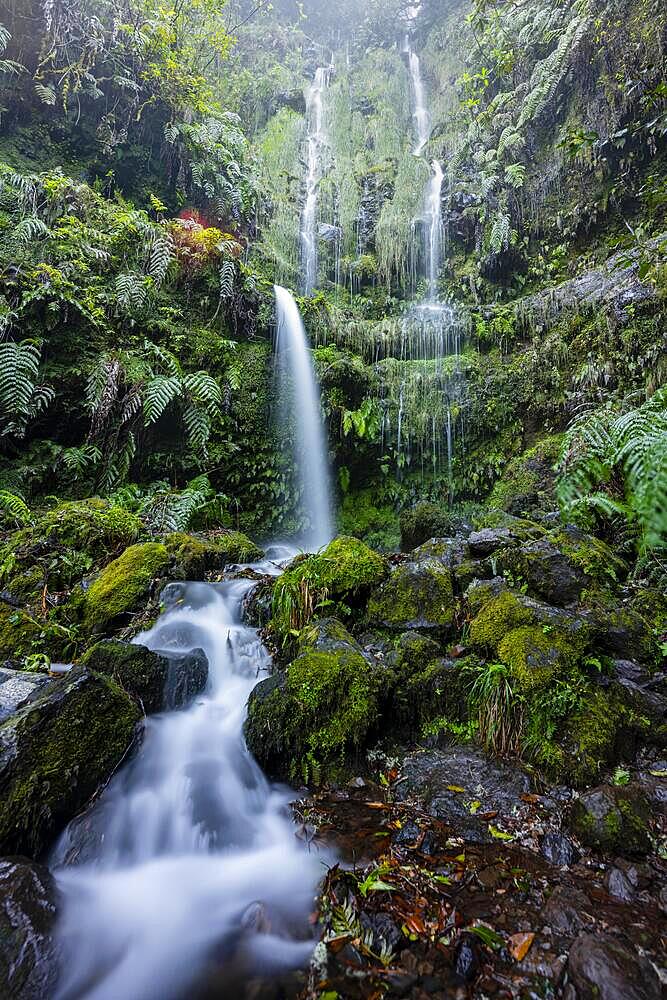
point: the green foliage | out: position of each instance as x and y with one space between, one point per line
21 399
614 463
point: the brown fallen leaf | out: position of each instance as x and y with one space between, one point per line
519 945
529 797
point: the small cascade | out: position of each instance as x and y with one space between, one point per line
316 144
420 114
185 874
434 224
301 413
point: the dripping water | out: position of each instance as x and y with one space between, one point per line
315 146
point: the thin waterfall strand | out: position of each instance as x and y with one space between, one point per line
316 143
299 393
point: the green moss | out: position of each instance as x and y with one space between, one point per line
62 545
613 819
416 595
124 584
193 556
603 731
591 555
497 616
376 523
22 634
56 752
527 483
340 576
321 709
535 657
138 670
426 520
520 528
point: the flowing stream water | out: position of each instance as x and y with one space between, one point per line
301 413
187 867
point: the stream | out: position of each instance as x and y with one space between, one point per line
187 868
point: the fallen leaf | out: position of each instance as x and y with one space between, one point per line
376 805
499 834
455 788
519 945
474 806
529 797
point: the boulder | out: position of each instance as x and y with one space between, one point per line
28 910
55 752
124 585
193 556
446 782
488 540
416 596
612 818
423 521
139 671
187 676
16 686
602 967
306 719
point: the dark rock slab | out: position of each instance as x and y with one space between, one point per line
16 686
187 676
55 752
602 967
138 670
559 850
612 818
488 540
430 778
28 909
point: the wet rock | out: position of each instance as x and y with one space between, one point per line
433 777
559 850
386 933
467 961
603 968
451 552
55 752
548 571
423 521
416 596
612 819
28 909
488 540
567 911
138 670
186 678
16 686
619 885
320 709
124 585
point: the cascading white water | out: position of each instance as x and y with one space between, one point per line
434 220
420 113
316 143
299 392
187 868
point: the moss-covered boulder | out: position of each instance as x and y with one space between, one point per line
423 521
55 752
308 719
23 634
193 556
124 584
416 596
527 484
61 545
612 819
562 565
337 580
138 670
535 658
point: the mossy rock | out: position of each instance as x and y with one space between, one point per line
416 596
613 819
59 548
138 670
339 578
425 520
55 752
317 712
437 691
124 584
499 614
605 730
21 635
535 658
193 556
521 529
528 482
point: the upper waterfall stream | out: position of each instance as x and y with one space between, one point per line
187 867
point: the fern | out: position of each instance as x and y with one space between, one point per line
13 510
616 463
21 399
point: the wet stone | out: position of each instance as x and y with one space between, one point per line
559 850
28 909
467 962
619 885
16 686
603 968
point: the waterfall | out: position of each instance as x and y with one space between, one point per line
299 392
434 220
186 872
420 114
316 143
